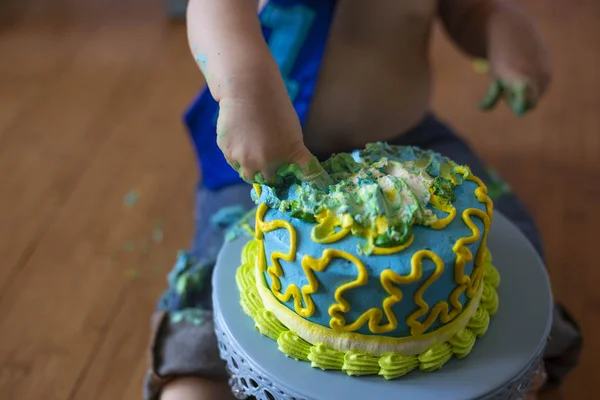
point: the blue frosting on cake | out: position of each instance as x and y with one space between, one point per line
340 271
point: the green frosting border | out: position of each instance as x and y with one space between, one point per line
389 365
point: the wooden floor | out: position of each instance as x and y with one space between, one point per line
95 166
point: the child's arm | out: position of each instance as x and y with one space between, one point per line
258 129
501 32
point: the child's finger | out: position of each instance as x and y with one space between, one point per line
492 96
245 175
311 171
235 165
315 174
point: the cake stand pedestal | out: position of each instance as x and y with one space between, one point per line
500 366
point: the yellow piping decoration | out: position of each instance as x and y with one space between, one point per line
393 250
441 205
388 278
257 189
324 233
275 271
309 263
463 255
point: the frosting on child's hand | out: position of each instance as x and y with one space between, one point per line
312 172
518 96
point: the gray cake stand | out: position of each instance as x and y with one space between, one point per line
501 365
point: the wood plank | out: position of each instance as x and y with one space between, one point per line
14 98
148 285
47 149
126 347
68 271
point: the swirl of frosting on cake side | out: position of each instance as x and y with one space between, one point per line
360 363
479 322
293 345
435 357
462 342
325 357
394 365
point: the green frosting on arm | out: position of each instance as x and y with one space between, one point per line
492 96
489 300
479 321
462 342
325 357
293 346
515 94
359 363
435 357
259 178
288 169
315 174
267 324
394 365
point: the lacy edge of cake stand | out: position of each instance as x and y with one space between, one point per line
247 382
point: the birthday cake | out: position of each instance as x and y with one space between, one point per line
385 272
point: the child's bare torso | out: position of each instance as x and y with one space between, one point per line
375 81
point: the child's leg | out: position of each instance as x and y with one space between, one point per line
184 358
196 389
564 347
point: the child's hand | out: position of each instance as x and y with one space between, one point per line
261 136
519 63
517 94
